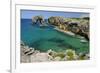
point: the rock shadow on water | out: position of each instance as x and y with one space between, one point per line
42 26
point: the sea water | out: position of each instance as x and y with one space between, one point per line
45 38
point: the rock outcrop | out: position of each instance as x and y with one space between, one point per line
29 55
37 19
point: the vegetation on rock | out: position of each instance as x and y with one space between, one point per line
79 26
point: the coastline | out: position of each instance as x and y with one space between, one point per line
29 55
70 33
66 32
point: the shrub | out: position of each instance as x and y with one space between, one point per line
71 54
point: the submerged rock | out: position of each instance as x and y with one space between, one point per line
22 43
83 41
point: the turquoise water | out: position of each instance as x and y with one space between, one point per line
47 38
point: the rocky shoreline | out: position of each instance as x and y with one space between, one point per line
73 26
66 32
29 55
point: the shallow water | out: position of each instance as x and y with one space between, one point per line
47 38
